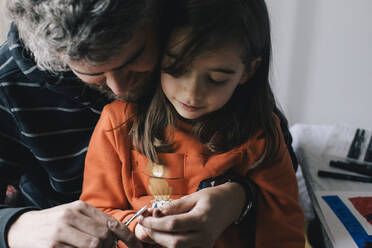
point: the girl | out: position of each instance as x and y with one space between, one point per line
210 119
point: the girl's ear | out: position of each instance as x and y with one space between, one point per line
252 70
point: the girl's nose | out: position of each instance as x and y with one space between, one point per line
195 89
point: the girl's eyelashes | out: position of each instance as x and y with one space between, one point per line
217 82
209 78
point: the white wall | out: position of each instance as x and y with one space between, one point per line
4 23
322 59
322 53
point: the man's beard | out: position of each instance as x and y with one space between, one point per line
104 89
134 93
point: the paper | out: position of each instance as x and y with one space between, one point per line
345 225
364 206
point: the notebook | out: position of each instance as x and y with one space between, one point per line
347 216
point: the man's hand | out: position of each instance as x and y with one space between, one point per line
76 224
195 220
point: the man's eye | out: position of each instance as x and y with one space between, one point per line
172 73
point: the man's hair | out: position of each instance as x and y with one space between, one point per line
56 31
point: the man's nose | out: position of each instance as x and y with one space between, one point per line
118 81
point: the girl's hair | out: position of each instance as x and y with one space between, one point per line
91 30
212 24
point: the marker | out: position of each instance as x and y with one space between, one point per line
358 168
354 150
342 176
368 156
138 213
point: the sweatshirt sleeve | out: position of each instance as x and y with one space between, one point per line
103 186
280 220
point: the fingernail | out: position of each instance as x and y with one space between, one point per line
111 224
140 219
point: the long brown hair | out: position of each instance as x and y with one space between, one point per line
249 110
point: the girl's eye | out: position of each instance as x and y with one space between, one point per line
217 81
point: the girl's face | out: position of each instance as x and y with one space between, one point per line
209 82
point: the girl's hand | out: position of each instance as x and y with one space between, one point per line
195 220
142 235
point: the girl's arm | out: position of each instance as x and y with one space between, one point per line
103 182
279 218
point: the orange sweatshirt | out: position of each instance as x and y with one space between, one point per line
119 180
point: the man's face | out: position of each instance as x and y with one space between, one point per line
127 74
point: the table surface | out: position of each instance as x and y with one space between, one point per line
309 143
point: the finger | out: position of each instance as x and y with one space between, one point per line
121 231
76 238
178 206
148 212
88 225
172 223
157 213
190 239
142 235
91 211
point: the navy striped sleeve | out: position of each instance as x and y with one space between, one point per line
7 217
46 121
14 154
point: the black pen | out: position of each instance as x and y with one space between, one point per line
358 168
356 144
354 150
342 176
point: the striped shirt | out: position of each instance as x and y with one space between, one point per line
46 121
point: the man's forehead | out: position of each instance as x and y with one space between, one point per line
124 56
112 64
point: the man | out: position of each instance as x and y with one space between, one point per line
55 51
48 114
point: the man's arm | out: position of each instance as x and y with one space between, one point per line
75 224
13 158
